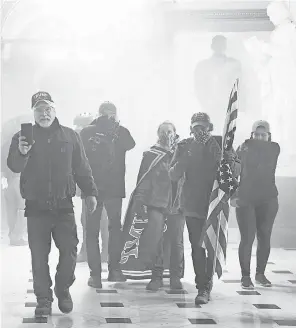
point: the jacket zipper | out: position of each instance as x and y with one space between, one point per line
50 176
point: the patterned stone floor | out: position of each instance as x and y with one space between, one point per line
130 305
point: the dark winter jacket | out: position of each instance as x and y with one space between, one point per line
106 145
197 164
258 165
51 169
154 186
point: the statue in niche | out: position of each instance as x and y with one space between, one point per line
276 66
214 78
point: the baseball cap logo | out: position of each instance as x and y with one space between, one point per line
41 96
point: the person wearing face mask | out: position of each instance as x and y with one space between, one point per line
197 159
81 121
170 248
50 169
256 201
106 143
153 207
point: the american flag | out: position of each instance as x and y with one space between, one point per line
215 232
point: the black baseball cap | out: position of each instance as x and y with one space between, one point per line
41 96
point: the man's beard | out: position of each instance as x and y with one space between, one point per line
45 123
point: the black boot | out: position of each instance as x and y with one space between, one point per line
65 302
155 284
204 293
203 296
175 283
43 307
95 282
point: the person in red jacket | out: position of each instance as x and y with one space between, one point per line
256 201
197 159
50 169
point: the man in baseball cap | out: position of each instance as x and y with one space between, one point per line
201 127
44 109
197 160
50 169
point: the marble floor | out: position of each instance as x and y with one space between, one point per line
130 305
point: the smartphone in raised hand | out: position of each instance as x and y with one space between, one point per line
27 132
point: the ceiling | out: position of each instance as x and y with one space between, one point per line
218 15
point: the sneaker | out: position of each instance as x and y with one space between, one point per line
116 276
262 280
247 283
95 282
65 302
154 285
203 296
175 283
43 307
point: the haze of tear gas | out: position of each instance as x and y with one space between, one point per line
123 57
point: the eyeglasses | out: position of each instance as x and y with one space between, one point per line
42 110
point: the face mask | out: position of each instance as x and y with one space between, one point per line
166 139
201 136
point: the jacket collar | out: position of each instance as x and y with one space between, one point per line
158 147
50 130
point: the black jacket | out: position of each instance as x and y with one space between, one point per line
107 157
197 164
51 169
258 166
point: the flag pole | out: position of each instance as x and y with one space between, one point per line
216 246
